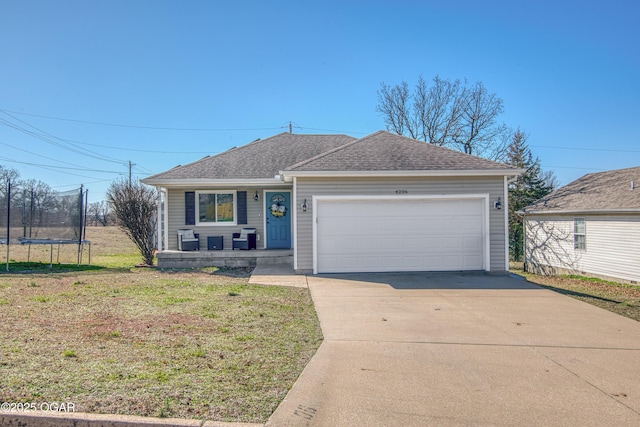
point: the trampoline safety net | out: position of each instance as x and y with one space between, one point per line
34 216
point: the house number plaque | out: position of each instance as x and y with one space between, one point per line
402 191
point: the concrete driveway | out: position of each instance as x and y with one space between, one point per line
463 349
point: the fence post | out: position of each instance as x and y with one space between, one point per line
8 219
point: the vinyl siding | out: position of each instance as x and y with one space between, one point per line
612 245
309 187
176 214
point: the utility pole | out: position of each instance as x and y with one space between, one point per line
130 166
290 127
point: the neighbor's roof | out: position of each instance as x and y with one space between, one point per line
384 151
606 192
259 159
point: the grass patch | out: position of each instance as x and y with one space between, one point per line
123 340
69 353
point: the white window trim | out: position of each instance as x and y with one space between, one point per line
217 224
580 234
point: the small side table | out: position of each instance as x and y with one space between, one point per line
215 243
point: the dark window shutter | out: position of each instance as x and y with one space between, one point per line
242 207
190 208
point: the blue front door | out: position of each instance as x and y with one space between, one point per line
278 213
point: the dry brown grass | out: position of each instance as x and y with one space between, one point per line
117 339
618 298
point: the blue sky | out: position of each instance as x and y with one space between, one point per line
191 78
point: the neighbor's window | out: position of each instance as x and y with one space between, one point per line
216 208
579 234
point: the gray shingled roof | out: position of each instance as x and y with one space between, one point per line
259 159
604 191
384 151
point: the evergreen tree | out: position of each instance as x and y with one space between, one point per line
532 185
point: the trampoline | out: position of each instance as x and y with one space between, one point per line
43 217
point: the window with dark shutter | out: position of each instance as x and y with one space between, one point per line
190 208
242 207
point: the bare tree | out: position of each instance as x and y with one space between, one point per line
551 180
6 176
134 208
393 103
41 199
99 213
446 113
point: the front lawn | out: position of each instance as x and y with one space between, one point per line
186 344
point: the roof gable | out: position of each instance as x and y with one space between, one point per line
603 191
259 159
384 151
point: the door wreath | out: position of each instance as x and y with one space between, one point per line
277 208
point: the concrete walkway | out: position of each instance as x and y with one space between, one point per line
277 275
453 350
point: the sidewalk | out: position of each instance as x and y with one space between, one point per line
78 419
277 275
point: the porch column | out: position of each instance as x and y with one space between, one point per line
161 223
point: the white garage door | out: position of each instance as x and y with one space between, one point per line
402 234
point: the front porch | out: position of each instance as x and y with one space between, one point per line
223 258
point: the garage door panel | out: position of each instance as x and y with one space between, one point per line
431 243
410 244
350 245
454 262
404 263
470 261
473 243
400 235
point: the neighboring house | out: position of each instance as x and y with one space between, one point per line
340 204
591 226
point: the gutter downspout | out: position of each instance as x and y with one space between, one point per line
524 229
507 181
294 237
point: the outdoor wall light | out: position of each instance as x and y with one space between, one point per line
256 196
498 203
304 205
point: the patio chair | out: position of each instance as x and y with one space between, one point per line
188 240
246 239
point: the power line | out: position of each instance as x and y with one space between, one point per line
48 167
175 128
110 147
35 154
138 126
51 167
77 150
573 167
86 183
333 130
142 151
586 149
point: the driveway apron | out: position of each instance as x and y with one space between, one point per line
420 349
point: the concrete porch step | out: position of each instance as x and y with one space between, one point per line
275 260
224 258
